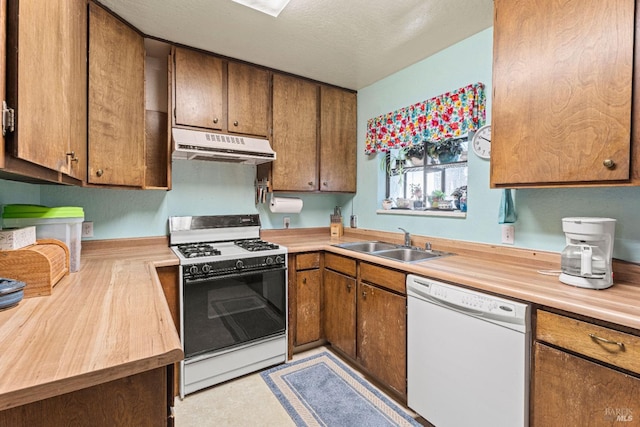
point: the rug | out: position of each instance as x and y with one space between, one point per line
322 391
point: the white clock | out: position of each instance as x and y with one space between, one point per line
481 142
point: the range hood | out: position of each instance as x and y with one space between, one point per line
220 147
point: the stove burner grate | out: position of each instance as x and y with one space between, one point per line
256 245
197 250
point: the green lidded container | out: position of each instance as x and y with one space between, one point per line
37 211
63 223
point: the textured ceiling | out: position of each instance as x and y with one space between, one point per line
348 43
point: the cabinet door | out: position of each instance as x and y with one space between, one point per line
3 34
199 90
562 80
340 311
382 335
116 101
571 391
295 118
48 86
307 306
248 104
337 140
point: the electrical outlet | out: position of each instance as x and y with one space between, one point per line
286 222
87 229
508 234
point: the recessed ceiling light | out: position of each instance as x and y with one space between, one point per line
270 7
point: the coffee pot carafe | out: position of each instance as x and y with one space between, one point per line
586 260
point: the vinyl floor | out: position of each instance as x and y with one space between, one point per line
245 401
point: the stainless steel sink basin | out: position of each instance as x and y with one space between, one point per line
367 247
394 252
409 254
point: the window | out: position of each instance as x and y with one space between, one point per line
429 176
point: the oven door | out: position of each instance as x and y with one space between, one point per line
227 311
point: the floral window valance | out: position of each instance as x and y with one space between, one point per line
449 115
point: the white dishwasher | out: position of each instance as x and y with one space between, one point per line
467 356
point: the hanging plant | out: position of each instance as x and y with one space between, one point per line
415 154
394 164
444 151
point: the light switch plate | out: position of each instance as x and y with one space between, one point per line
286 222
508 234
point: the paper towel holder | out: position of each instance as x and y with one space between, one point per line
285 204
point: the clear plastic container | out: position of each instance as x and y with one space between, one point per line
61 223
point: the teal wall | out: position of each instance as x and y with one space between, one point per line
215 188
539 210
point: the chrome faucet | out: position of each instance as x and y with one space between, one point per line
407 237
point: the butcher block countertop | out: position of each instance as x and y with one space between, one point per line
111 320
501 270
108 321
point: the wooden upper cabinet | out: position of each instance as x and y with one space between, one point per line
248 99
47 85
3 81
562 93
211 93
199 90
295 139
338 118
116 101
314 136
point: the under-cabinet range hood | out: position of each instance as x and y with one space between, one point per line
199 145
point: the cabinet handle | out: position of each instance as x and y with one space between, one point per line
310 183
99 172
609 164
235 123
325 183
73 156
215 120
606 341
349 287
364 294
304 281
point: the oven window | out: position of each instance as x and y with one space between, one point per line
224 312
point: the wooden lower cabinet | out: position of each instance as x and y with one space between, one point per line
572 391
340 311
382 335
365 318
584 374
305 299
308 284
139 400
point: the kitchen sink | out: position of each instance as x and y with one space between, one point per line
392 251
368 247
409 254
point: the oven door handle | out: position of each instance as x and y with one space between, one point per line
234 274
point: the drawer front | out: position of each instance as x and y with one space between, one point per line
604 344
381 276
341 264
308 261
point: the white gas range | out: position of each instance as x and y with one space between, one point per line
233 298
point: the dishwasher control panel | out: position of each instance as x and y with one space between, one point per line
473 300
468 301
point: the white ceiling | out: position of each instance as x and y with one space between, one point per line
348 43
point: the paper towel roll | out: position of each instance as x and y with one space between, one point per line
285 205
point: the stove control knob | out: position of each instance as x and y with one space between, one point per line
206 268
239 264
193 269
269 260
279 259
